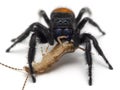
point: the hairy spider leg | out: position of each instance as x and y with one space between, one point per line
84 21
43 14
31 55
40 32
35 27
99 50
86 38
89 59
81 13
20 38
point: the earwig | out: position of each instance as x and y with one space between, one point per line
51 57
48 59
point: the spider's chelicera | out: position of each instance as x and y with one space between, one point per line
62 23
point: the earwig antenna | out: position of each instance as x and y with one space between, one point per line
59 39
17 69
25 82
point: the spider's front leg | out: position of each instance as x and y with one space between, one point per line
44 36
35 27
40 32
43 14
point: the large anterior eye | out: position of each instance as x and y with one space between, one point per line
58 32
67 31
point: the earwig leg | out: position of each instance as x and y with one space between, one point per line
59 39
46 51
60 42
42 51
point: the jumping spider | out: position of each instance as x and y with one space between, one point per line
62 23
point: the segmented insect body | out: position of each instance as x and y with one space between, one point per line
51 57
48 59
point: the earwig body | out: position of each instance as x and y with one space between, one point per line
51 57
48 59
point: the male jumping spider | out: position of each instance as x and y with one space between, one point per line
62 23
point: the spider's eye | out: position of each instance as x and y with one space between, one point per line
59 21
58 32
67 31
65 22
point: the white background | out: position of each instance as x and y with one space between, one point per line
71 72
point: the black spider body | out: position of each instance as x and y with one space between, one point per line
62 23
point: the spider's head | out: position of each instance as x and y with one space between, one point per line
62 21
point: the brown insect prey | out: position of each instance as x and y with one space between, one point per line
51 57
48 59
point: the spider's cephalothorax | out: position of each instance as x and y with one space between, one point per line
63 26
62 23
